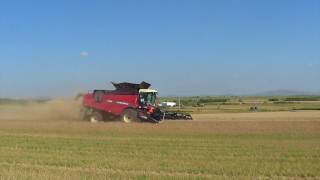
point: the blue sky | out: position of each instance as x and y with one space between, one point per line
58 48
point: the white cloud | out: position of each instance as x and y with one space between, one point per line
84 54
310 65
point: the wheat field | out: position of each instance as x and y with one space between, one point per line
281 145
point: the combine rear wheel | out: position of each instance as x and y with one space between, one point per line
129 115
83 113
96 117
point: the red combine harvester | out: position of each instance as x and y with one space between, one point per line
131 102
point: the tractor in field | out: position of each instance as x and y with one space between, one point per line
129 102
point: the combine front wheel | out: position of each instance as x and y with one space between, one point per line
129 115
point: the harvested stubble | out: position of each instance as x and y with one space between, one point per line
247 146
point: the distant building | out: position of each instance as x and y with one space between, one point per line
167 104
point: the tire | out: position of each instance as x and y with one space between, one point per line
96 117
129 115
83 115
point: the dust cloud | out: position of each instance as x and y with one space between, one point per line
58 109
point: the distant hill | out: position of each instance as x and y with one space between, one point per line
287 93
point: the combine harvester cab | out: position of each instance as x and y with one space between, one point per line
131 102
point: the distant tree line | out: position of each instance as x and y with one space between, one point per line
307 98
20 101
198 102
298 98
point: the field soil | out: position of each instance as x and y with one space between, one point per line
48 142
261 116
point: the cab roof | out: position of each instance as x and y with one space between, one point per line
147 91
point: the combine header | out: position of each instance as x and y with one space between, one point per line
131 102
